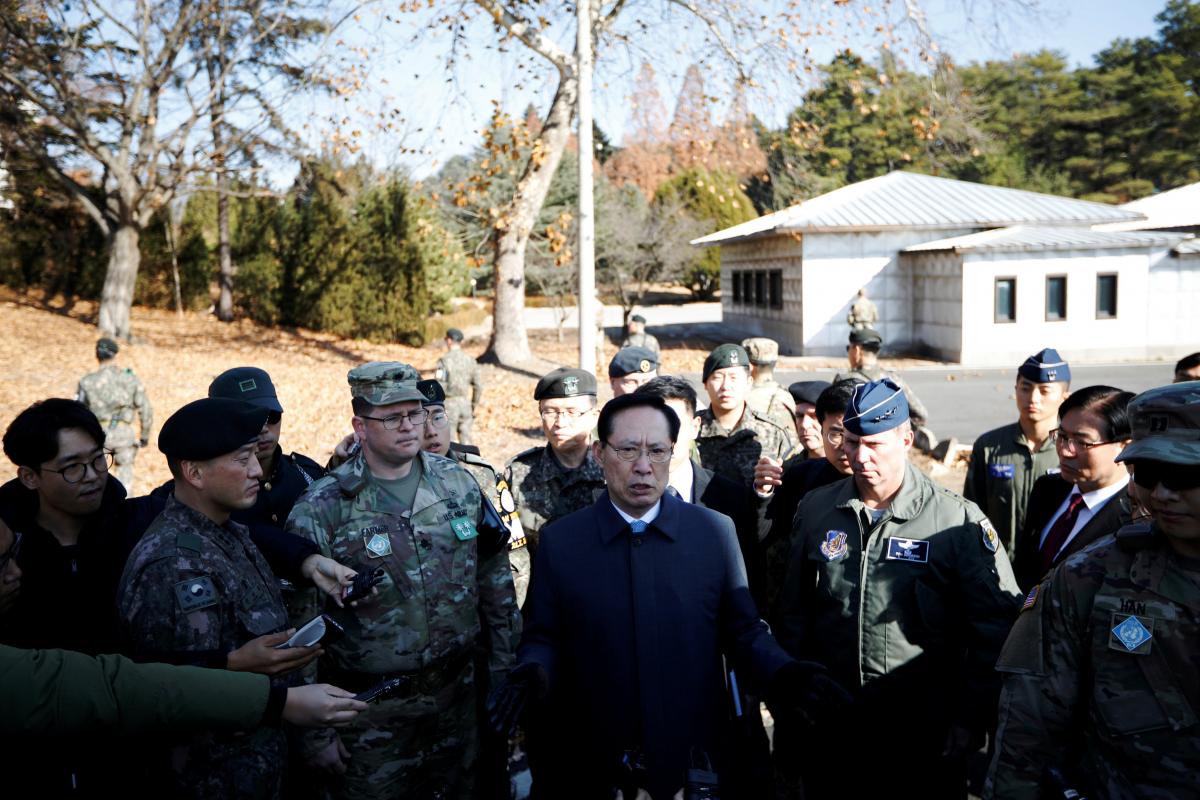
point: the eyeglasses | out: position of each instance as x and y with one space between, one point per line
274 417
1061 439
392 422
835 437
74 473
656 453
551 415
438 419
1175 477
13 551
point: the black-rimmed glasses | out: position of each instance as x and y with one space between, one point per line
74 473
393 421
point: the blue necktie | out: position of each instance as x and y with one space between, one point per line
637 527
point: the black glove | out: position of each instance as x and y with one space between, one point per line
506 704
805 690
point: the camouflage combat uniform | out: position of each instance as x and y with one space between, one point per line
439 581
770 399
1100 675
733 453
1001 475
114 394
460 376
863 313
192 591
873 372
544 490
645 340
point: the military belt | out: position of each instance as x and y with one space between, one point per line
428 680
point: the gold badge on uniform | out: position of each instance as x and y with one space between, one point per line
644 365
990 540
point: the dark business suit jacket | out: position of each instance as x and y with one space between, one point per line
630 631
1048 493
747 510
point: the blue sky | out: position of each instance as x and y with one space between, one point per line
437 113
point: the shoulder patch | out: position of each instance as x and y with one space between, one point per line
195 594
990 540
1031 598
189 540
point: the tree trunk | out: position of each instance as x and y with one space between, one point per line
224 309
509 343
116 297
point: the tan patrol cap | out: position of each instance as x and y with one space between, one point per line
761 350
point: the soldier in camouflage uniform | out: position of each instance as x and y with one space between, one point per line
460 376
637 336
863 313
419 521
114 395
196 590
1007 461
766 396
733 436
1100 679
560 477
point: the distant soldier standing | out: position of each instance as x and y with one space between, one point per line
114 394
766 396
637 336
863 313
460 377
1100 680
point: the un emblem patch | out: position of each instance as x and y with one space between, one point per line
835 545
1132 635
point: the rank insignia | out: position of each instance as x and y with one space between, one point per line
835 545
913 550
379 545
990 540
247 385
1132 635
1030 599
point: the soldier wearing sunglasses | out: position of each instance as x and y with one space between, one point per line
1100 689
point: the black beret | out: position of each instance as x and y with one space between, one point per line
106 348
865 336
727 355
454 334
208 428
808 391
435 395
251 384
629 360
637 318
565 382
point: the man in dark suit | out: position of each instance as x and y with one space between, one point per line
633 603
1086 499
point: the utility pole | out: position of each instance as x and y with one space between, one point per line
587 215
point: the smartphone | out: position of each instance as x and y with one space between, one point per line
323 628
381 690
364 581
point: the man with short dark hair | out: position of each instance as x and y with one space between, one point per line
634 601
1188 368
1006 461
808 421
462 379
630 368
114 394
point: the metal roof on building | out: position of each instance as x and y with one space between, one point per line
1178 208
1035 238
1188 247
912 201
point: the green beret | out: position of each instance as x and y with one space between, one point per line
106 348
246 383
727 355
865 336
565 382
211 427
382 383
432 393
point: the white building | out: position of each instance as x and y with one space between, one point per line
962 271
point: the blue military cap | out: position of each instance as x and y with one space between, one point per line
876 407
1046 366
629 360
250 384
211 427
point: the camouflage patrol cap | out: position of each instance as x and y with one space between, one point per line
865 336
726 355
432 393
629 360
1166 425
250 384
210 427
565 382
382 383
761 350
106 348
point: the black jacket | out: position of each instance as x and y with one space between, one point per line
747 510
1048 493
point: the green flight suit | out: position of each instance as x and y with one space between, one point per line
1001 475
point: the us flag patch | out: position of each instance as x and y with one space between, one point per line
1030 599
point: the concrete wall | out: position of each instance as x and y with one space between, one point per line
937 292
775 253
1173 327
1081 336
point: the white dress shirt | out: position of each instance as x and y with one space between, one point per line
1092 502
682 480
647 518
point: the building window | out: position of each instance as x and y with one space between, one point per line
748 288
1106 296
776 288
1056 297
760 288
1006 299
737 287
